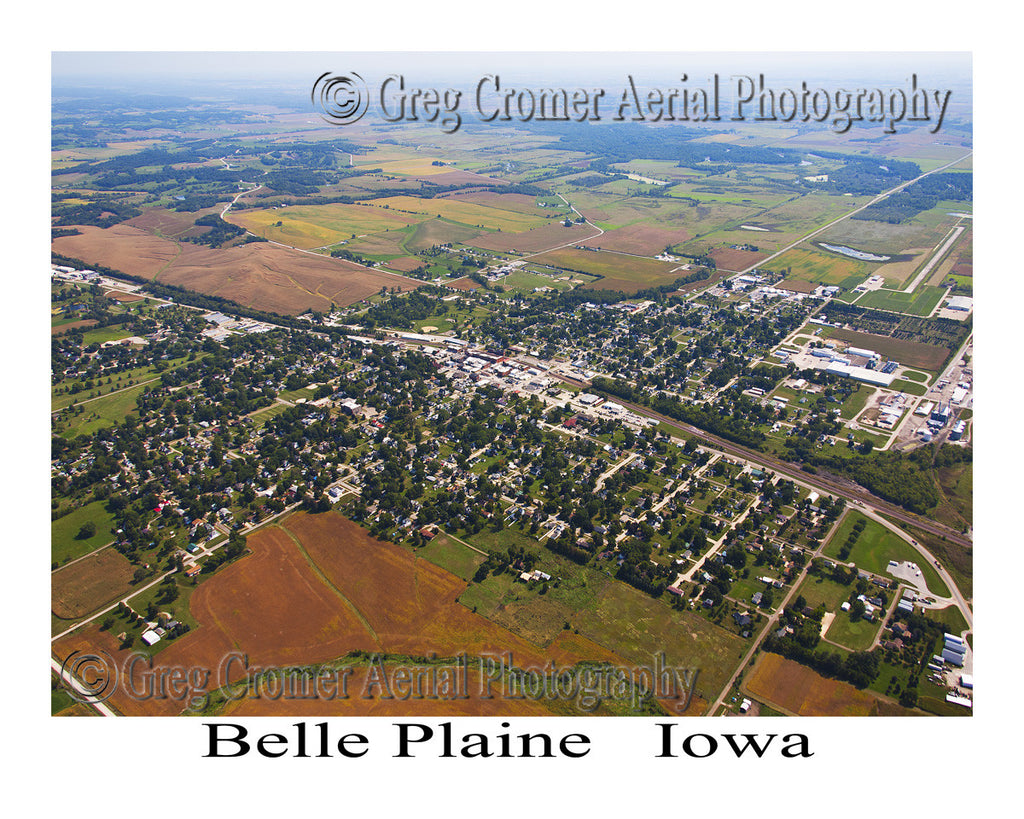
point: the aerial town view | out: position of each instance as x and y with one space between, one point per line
477 395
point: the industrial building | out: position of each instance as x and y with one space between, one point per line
939 416
879 379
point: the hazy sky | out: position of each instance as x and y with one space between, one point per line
290 68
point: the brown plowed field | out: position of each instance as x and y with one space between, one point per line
289 604
800 690
170 223
275 606
74 325
87 584
409 603
910 353
121 247
353 703
736 260
799 286
643 240
464 283
260 275
404 264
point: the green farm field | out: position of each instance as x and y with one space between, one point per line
818 267
921 302
638 627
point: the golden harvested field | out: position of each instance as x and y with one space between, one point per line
451 177
379 244
818 267
896 274
309 226
84 586
467 213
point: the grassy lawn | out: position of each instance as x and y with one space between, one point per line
101 334
451 555
854 634
822 590
855 401
913 375
743 589
64 543
911 387
294 395
261 416
118 381
951 617
102 412
178 608
876 546
59 700
491 541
